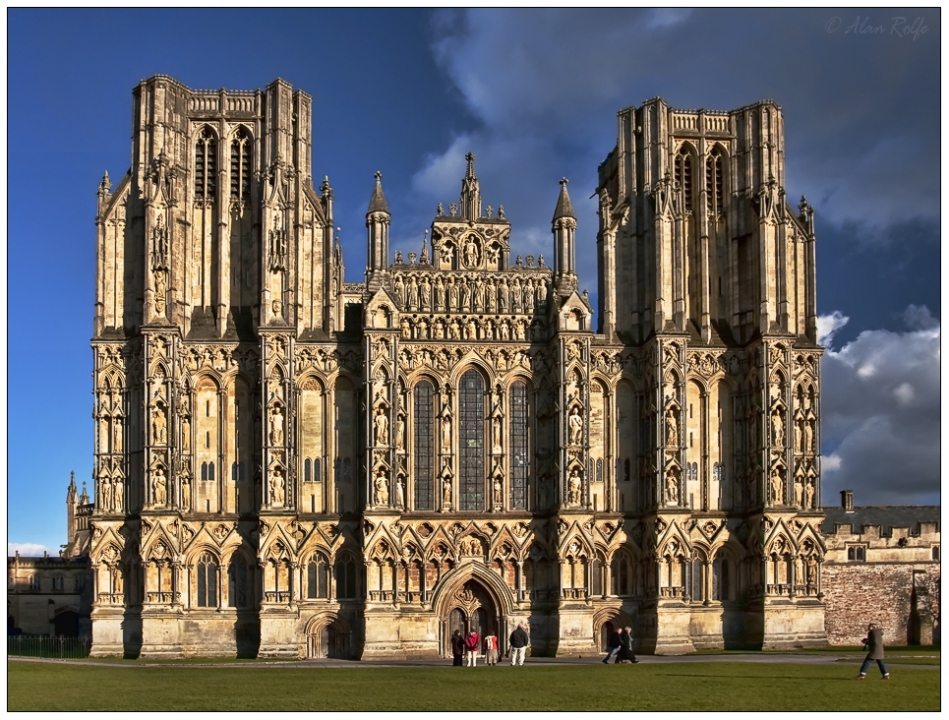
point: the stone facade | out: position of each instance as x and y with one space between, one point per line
882 566
287 464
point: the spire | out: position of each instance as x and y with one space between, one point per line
470 192
378 201
71 492
84 498
564 206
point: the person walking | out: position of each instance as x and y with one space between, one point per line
613 646
874 644
472 646
626 646
519 642
457 648
491 649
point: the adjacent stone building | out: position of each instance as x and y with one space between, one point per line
882 565
287 464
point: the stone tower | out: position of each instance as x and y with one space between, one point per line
287 464
707 280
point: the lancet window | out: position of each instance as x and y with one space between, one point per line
424 445
471 441
205 165
520 449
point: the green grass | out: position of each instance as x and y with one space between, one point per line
675 686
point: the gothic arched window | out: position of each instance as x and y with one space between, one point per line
471 441
424 445
683 176
237 595
715 181
240 165
519 420
316 578
207 581
205 165
346 579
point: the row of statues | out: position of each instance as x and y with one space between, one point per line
471 328
451 294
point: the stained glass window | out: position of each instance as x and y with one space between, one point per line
424 445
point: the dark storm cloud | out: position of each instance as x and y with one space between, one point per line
861 109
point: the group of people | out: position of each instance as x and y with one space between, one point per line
466 648
620 646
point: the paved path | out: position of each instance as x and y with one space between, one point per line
761 658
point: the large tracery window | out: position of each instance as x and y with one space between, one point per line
715 182
520 449
424 445
471 442
316 578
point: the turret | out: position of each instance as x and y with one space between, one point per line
564 226
377 224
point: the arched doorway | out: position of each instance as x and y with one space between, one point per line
470 608
606 632
328 639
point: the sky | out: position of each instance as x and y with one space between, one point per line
534 94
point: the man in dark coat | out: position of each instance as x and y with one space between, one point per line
626 646
457 648
612 647
519 642
874 644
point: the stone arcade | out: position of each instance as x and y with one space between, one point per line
287 464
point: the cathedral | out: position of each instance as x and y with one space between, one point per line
291 465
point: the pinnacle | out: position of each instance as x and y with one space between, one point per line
378 201
564 206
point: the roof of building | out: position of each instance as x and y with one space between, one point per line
886 516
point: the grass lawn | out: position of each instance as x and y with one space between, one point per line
679 686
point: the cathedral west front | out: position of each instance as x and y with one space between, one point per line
289 464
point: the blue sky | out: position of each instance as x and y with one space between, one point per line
534 94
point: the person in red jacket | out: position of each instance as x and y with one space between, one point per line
491 648
472 646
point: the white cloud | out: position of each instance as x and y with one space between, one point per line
828 325
666 17
29 549
881 414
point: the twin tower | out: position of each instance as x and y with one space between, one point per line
289 464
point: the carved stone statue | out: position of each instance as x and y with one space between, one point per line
809 493
576 427
186 493
777 429
399 494
400 433
159 426
672 487
573 487
777 487
118 494
105 494
276 425
799 492
277 493
497 434
672 428
382 428
382 489
472 256
185 435
446 493
159 487
446 434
